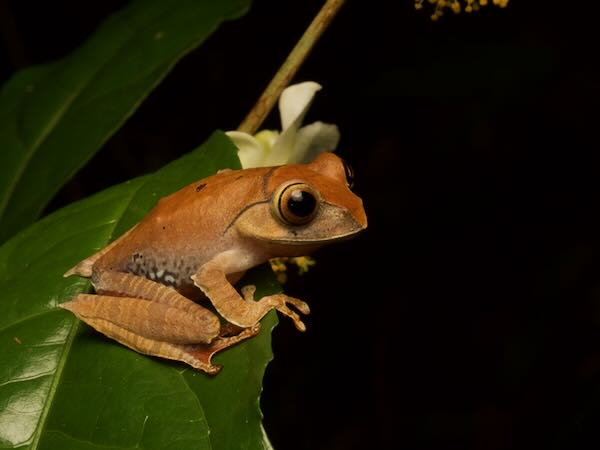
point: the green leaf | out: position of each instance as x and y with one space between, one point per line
53 118
65 386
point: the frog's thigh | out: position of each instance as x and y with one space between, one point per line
146 319
130 285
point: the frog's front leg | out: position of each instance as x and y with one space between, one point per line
153 319
242 311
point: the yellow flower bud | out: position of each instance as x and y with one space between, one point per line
457 5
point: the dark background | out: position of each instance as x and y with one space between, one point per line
468 315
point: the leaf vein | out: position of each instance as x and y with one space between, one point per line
25 319
30 378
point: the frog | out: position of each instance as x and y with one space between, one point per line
197 243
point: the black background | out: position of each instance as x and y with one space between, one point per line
468 314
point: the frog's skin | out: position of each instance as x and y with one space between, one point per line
202 239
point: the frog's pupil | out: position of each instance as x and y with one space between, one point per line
301 203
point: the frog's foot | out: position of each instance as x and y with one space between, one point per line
202 354
279 302
248 292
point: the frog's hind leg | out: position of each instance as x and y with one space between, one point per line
147 319
197 356
154 319
147 308
122 284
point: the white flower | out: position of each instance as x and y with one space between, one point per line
294 144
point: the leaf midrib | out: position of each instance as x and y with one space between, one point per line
33 148
55 117
54 385
68 344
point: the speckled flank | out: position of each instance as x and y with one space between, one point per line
167 271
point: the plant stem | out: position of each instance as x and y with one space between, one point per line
290 66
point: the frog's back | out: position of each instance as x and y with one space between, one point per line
182 232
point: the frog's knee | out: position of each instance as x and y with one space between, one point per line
213 328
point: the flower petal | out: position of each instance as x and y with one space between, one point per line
267 138
318 137
283 149
294 101
293 105
293 144
251 151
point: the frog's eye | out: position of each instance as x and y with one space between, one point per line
296 203
349 173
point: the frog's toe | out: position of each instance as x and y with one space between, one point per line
283 309
295 317
299 305
248 292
